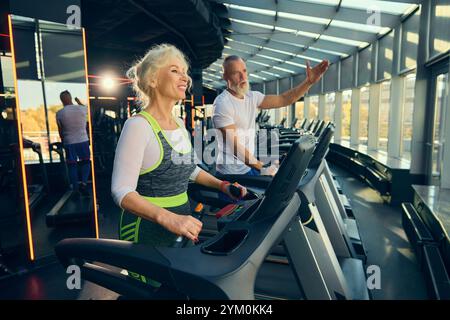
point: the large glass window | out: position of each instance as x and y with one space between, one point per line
7 73
410 41
364 115
365 65
385 56
299 112
330 104
284 115
383 122
439 28
438 131
34 123
313 107
346 114
407 121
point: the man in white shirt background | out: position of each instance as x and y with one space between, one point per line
234 115
72 127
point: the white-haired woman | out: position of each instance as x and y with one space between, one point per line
149 182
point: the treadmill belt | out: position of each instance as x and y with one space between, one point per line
277 281
71 208
77 205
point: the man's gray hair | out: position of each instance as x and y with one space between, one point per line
229 59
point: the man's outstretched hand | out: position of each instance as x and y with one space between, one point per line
314 74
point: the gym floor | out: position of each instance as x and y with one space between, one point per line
380 227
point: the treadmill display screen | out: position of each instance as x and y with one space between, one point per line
285 182
322 146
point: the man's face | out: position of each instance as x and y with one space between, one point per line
235 74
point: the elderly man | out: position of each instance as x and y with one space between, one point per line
234 115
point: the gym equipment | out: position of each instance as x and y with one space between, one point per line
224 267
72 207
325 269
36 192
319 129
9 197
342 229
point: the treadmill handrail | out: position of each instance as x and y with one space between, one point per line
178 268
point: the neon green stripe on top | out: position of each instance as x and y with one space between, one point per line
155 124
156 129
168 202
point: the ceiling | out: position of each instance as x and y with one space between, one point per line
120 31
277 37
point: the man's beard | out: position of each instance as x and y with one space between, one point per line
241 90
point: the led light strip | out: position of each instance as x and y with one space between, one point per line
19 130
91 145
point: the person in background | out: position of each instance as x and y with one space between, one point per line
72 128
234 115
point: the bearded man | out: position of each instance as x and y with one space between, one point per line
234 115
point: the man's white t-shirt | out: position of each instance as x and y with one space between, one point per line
72 120
228 110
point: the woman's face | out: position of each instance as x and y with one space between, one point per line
172 80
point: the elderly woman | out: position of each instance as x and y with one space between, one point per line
154 158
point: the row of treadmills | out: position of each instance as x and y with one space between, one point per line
293 224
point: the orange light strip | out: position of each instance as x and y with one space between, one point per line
203 100
19 130
91 145
103 98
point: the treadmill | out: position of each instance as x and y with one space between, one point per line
321 191
337 255
36 191
72 207
224 267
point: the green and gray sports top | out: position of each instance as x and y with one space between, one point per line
165 185
138 150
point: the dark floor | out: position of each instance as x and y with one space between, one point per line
380 228
46 237
385 241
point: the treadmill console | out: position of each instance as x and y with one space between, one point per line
235 220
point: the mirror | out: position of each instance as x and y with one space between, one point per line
49 60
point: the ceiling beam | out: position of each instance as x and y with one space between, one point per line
276 45
338 32
317 10
244 29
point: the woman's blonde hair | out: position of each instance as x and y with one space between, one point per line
146 69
